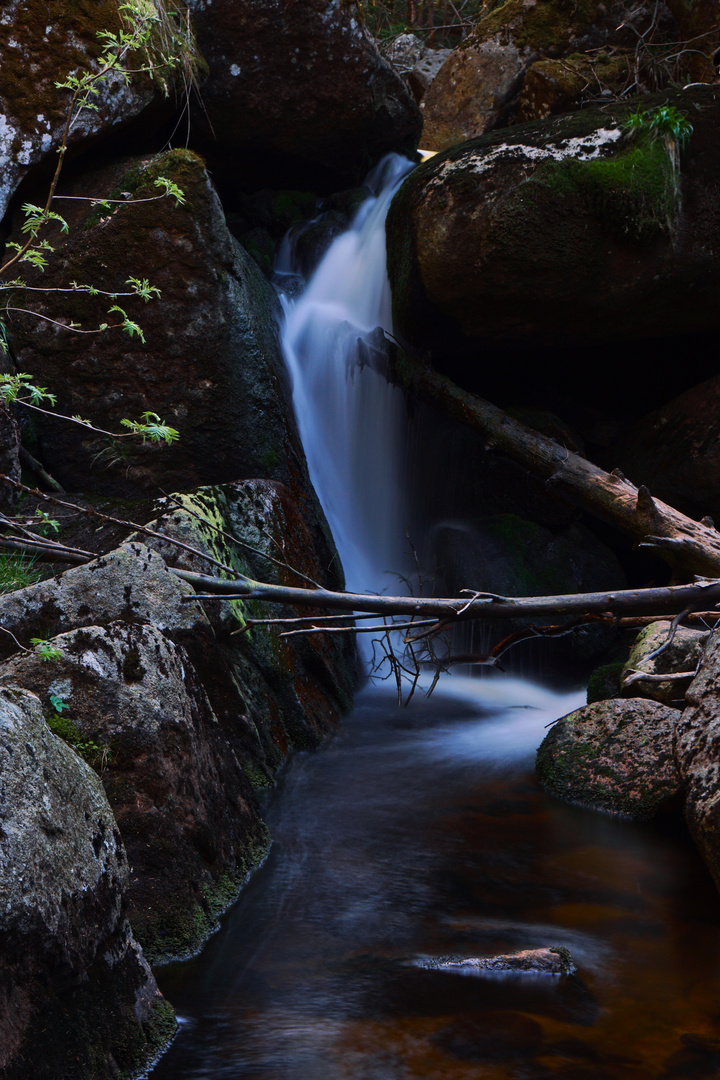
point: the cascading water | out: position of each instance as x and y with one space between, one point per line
351 422
419 834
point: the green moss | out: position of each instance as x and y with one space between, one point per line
604 682
538 26
87 748
634 192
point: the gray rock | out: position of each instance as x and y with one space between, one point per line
698 757
77 997
683 654
133 704
615 756
426 70
132 584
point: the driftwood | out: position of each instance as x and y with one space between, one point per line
690 547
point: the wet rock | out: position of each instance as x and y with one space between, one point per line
306 93
551 961
490 245
682 654
131 701
698 752
615 756
210 366
77 997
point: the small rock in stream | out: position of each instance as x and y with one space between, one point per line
549 961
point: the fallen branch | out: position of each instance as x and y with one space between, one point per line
690 547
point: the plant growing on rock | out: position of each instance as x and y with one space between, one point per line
155 41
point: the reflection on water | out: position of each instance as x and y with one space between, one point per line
423 832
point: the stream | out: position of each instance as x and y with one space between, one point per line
421 833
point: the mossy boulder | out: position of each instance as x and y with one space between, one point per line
681 654
555 233
77 997
210 363
615 756
131 702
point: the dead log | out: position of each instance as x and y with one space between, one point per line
690 547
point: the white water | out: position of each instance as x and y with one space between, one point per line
352 423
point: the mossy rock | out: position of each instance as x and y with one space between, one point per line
615 756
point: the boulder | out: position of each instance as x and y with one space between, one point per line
77 997
130 700
299 89
675 451
131 584
524 61
210 363
615 756
682 654
38 52
558 233
698 752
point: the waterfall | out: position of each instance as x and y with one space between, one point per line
352 423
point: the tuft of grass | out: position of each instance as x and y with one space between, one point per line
17 571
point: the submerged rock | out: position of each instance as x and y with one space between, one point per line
550 961
615 756
77 997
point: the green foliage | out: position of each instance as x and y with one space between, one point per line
47 652
151 429
95 755
664 122
17 571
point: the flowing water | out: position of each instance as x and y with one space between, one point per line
421 833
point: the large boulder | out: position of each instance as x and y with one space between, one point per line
558 233
698 752
298 85
77 997
615 756
39 51
210 364
530 60
132 702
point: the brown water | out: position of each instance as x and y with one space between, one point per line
422 833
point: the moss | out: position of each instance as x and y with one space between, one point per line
604 682
633 192
538 26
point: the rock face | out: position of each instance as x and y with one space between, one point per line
682 654
300 82
615 756
71 974
183 805
675 451
525 61
559 232
697 750
37 52
211 365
